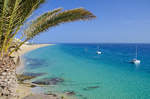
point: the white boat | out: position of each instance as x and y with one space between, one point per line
135 60
98 51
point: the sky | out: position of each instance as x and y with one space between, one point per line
118 21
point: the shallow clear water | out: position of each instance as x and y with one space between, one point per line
92 76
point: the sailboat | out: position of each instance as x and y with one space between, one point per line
135 60
98 51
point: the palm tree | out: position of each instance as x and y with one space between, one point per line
13 16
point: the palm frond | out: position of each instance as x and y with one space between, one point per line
47 20
24 10
14 13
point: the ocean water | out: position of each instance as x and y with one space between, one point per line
92 76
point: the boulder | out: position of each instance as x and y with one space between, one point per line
49 81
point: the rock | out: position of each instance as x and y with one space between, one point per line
22 78
32 86
33 74
52 94
90 88
70 93
35 63
49 81
28 76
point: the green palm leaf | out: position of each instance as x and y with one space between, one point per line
54 18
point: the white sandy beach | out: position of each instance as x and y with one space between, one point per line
26 48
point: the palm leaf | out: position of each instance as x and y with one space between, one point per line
14 13
24 10
52 19
48 20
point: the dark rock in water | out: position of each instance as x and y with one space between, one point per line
49 81
21 78
35 63
33 86
85 98
90 88
82 97
33 74
52 94
70 93
28 76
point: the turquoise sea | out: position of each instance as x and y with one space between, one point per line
92 76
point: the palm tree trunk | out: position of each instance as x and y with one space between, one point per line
8 79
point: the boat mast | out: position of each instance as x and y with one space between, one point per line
136 52
98 47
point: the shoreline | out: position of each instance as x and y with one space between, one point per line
30 47
24 90
23 50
